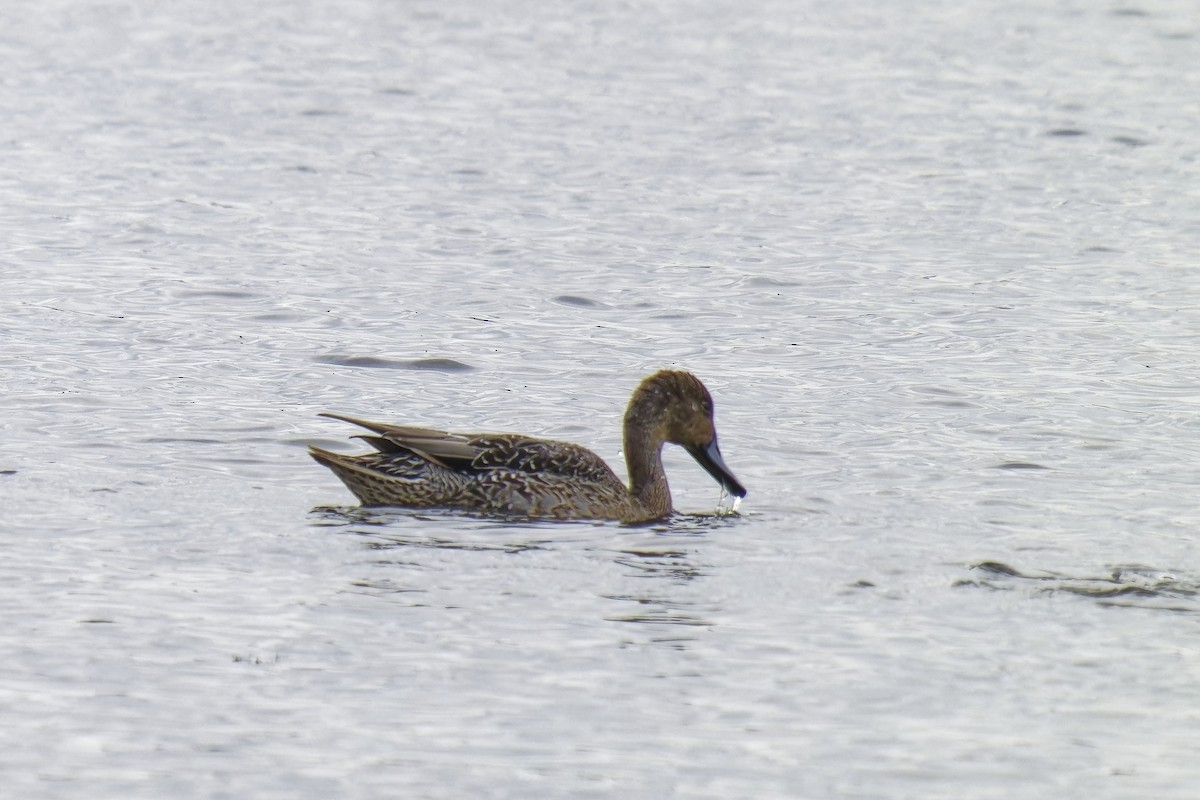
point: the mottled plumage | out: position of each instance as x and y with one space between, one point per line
513 475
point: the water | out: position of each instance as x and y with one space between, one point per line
935 265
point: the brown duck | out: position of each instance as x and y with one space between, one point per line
509 474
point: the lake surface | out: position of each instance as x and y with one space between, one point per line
936 264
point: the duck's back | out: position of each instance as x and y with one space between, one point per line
508 474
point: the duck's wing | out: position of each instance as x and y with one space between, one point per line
487 451
441 447
544 457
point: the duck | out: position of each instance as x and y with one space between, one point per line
513 475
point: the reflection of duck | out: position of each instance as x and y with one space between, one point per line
510 474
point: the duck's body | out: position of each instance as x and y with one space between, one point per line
514 475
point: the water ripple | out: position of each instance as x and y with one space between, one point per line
1130 586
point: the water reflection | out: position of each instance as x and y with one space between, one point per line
661 563
659 566
1133 585
383 587
661 602
382 528
549 530
667 561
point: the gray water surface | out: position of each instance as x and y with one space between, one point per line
936 264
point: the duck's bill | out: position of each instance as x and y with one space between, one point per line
709 457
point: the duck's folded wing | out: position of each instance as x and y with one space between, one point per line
539 456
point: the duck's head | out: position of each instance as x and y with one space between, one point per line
676 406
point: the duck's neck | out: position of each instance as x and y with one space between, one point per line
648 491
